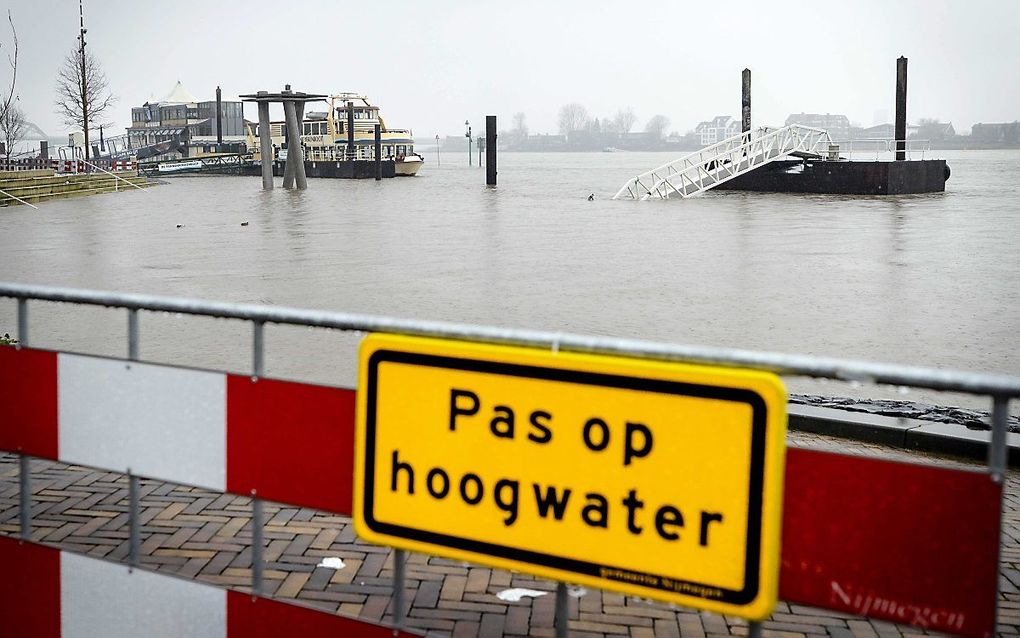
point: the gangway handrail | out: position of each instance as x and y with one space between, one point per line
997 385
88 163
3 192
718 163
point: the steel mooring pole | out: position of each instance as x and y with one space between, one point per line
745 102
490 150
562 611
901 108
378 152
399 561
351 152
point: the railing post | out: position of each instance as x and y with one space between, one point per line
258 349
134 529
562 611
256 545
399 561
22 322
997 460
132 334
25 494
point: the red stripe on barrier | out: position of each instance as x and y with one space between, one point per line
28 412
263 618
29 590
913 544
291 442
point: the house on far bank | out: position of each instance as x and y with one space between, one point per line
999 133
836 124
934 131
717 129
880 132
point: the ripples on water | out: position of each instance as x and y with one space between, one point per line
929 279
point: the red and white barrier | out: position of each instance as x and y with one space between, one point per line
123 165
902 542
288 442
48 593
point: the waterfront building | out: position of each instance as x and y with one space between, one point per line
717 129
163 121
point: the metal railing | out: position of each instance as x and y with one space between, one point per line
1000 388
716 164
878 147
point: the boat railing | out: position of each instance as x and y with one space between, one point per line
338 153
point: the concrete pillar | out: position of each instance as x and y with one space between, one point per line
901 108
378 152
288 166
266 146
299 108
745 101
350 130
490 150
294 155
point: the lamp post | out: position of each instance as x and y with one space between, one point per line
84 81
439 161
467 134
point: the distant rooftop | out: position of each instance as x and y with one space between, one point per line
179 95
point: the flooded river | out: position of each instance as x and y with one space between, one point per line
929 280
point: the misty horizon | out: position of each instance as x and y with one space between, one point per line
432 67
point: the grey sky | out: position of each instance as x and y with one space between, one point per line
431 65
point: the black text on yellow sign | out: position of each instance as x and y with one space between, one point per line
654 479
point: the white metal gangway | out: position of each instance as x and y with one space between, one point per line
722 161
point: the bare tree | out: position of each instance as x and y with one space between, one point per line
520 130
12 129
573 117
624 120
9 96
78 107
657 126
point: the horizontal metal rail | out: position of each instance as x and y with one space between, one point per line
1005 386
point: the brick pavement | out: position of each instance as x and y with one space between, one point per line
207 536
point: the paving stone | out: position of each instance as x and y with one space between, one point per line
195 533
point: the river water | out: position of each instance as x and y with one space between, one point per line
929 280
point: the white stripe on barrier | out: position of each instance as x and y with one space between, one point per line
104 599
156 421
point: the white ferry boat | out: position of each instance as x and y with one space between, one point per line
326 137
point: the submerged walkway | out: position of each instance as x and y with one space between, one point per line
206 536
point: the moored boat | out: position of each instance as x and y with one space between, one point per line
345 134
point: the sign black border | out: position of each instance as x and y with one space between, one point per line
757 479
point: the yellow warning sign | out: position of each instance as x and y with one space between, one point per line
655 479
